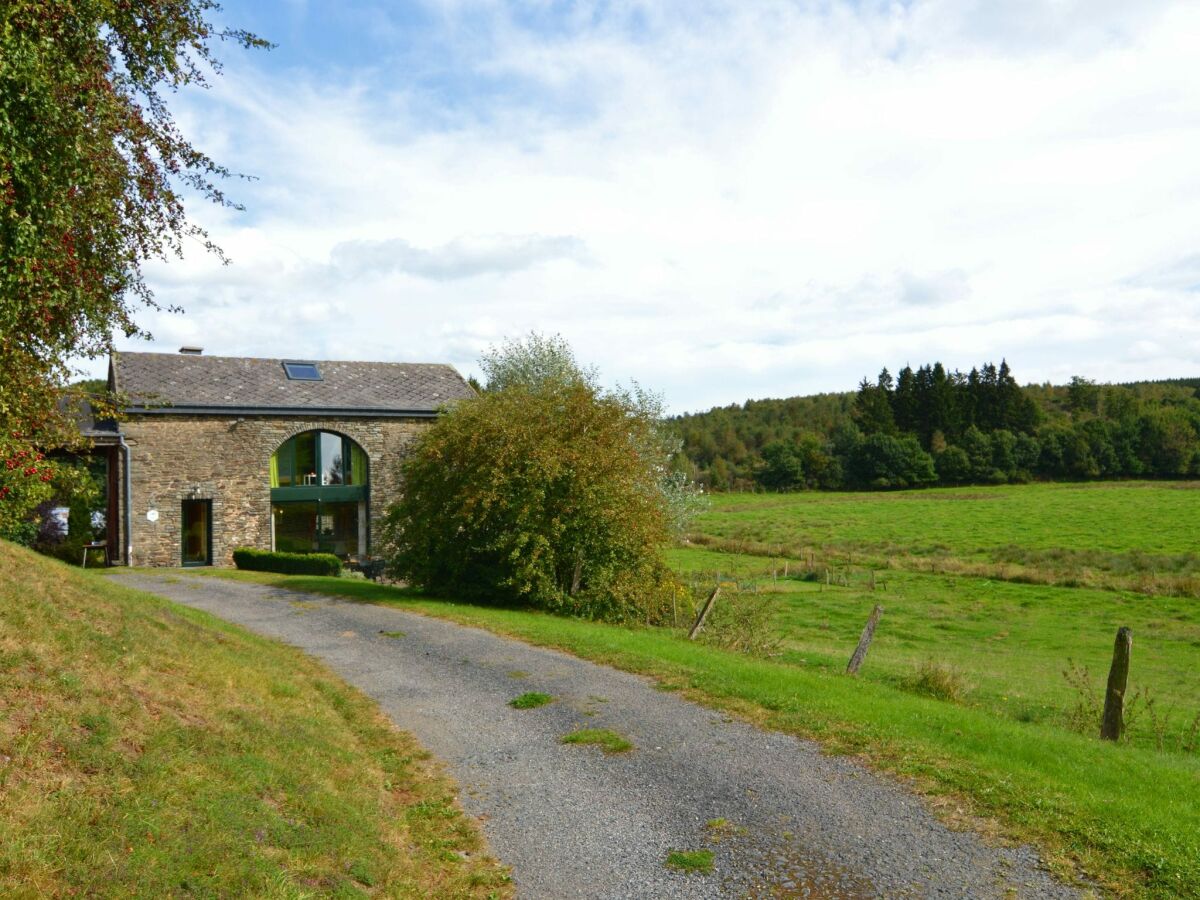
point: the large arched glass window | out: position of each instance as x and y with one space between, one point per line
318 459
319 483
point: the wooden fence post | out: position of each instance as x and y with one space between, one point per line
864 642
1113 722
712 598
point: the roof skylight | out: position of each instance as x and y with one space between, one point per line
302 371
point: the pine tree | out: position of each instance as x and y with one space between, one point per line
873 406
905 407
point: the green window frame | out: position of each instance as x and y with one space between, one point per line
289 483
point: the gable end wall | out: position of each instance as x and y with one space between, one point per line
229 462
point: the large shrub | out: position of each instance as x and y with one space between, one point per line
544 490
286 563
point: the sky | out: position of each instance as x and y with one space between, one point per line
721 201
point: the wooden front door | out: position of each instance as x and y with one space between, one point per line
197 532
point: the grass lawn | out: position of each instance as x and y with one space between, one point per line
1128 815
150 750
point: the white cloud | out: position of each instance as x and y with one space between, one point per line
463 257
726 201
1176 275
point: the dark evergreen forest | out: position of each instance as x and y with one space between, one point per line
932 426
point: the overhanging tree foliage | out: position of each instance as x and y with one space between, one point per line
546 490
92 174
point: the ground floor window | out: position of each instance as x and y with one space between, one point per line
320 526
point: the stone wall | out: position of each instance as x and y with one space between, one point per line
226 459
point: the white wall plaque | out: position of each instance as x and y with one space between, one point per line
152 515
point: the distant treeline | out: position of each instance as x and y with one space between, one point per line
932 426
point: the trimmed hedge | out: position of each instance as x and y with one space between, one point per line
287 563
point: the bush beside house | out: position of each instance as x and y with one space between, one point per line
545 490
287 563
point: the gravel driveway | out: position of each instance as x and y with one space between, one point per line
782 819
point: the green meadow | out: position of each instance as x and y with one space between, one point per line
1136 535
1029 652
1030 642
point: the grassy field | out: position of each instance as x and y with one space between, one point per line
1127 815
1132 535
1030 641
1028 652
148 750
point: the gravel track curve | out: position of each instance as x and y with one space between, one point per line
780 818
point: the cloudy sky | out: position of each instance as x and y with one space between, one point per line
719 200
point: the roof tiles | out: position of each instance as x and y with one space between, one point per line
171 382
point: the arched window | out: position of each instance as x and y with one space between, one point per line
318 459
319 483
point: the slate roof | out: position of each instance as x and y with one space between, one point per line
81 410
194 383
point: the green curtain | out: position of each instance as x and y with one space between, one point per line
274 470
358 464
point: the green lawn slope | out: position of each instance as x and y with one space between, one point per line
150 750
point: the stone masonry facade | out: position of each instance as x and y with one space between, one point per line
226 459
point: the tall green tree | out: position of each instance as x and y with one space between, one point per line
884 461
873 405
978 448
943 408
1083 396
953 466
534 361
905 402
1169 443
93 169
782 467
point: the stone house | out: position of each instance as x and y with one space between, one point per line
214 453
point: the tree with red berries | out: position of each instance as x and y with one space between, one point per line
92 173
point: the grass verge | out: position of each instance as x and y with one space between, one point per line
1128 816
151 750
